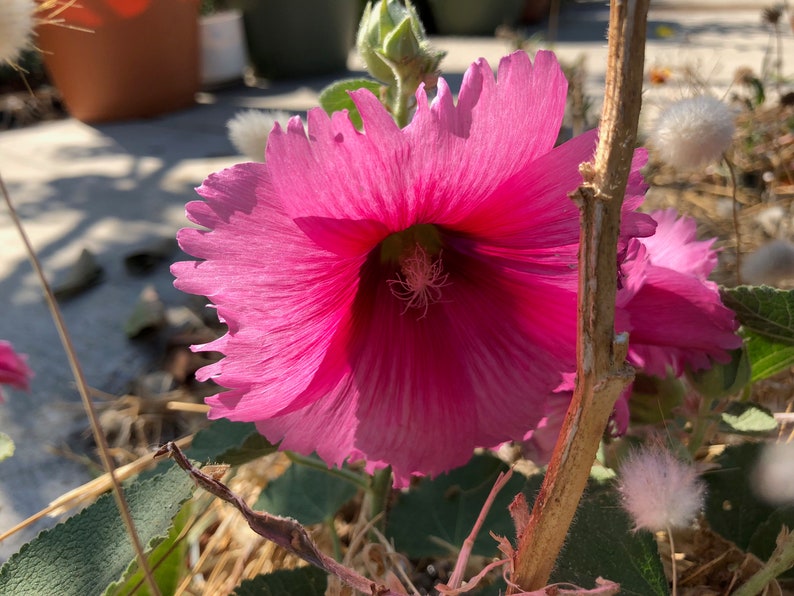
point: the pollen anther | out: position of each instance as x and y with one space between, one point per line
420 280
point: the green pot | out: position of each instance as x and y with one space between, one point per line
474 17
300 37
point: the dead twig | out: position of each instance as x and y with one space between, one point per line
283 531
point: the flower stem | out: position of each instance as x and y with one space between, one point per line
701 426
673 567
781 560
601 370
400 105
736 230
335 542
380 490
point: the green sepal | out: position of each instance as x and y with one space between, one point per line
722 380
336 97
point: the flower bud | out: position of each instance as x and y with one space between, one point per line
393 44
14 370
722 380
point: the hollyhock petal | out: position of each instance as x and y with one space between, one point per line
14 370
677 321
399 295
471 388
633 224
699 259
538 444
257 241
674 316
507 352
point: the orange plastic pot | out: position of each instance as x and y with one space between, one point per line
124 59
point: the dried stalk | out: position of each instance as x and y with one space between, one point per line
601 369
283 531
82 387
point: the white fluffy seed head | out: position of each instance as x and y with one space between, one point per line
774 474
16 26
693 132
249 130
659 491
770 264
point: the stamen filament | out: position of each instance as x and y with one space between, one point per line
420 280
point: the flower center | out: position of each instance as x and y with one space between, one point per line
416 253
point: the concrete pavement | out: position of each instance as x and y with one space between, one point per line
110 188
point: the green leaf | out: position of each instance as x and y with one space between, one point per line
309 495
764 539
233 443
335 97
763 310
89 551
442 511
732 508
746 418
767 356
6 446
303 581
167 561
601 543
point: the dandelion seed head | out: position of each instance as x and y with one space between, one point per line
693 132
774 474
250 129
660 491
16 26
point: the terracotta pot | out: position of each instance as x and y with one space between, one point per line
300 37
140 58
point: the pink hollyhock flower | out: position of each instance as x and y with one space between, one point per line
14 370
673 314
400 295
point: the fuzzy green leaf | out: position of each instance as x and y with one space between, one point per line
89 551
167 561
442 511
746 418
233 443
767 356
335 97
6 446
303 581
311 496
763 310
601 543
